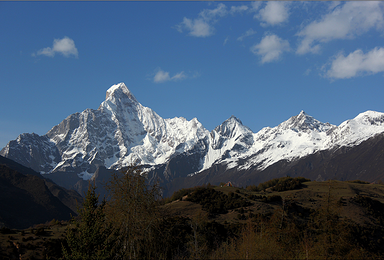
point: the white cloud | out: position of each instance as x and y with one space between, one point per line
270 48
343 22
248 33
238 9
203 25
274 13
219 11
163 76
357 63
65 46
197 27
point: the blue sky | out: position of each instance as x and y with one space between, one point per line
262 62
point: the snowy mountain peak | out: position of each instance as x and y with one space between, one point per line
231 127
233 118
227 140
370 118
119 100
119 90
302 114
231 122
358 129
304 123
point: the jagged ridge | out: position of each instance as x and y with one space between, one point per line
123 132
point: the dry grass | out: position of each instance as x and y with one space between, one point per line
312 196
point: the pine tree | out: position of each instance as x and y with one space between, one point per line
90 237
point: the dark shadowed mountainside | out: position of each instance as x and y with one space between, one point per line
28 199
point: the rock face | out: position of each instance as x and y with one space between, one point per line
122 132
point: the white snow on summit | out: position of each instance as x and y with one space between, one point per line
357 130
144 137
122 132
299 136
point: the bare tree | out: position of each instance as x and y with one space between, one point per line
134 213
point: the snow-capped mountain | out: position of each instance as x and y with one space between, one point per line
122 132
295 138
119 133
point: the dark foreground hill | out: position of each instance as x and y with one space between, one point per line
27 199
286 218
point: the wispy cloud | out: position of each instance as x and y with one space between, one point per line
202 26
163 76
356 64
270 48
255 7
345 21
273 13
248 33
65 46
225 41
179 76
238 9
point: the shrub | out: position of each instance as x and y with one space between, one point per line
273 198
282 184
252 188
216 202
358 181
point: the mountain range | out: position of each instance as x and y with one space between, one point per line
181 153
